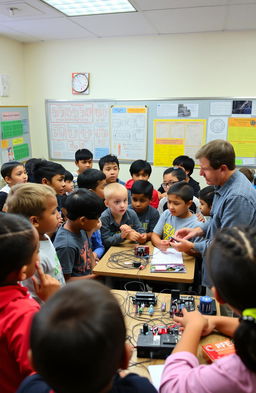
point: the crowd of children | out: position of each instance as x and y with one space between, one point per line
68 221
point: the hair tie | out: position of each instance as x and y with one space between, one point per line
249 315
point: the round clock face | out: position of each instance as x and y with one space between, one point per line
80 83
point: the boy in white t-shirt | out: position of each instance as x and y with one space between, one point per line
38 203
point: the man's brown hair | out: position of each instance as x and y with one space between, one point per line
218 152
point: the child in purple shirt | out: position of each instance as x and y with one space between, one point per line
232 266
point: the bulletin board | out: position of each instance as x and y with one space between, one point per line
162 130
15 136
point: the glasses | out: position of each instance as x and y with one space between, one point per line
169 184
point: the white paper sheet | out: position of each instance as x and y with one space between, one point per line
168 257
155 372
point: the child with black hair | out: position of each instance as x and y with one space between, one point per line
234 284
141 170
141 193
29 166
94 180
78 345
13 172
171 176
19 261
177 216
206 196
69 184
83 161
83 208
188 164
109 165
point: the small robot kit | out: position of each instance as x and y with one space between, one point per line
178 302
157 342
141 251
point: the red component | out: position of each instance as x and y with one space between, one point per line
141 251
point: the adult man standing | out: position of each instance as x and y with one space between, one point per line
234 201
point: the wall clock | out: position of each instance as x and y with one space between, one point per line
80 83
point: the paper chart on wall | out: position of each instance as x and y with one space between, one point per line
78 125
241 133
217 128
174 137
129 132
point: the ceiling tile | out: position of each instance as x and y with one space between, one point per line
188 20
51 29
241 17
146 5
116 25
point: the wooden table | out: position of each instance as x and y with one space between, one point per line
104 268
134 323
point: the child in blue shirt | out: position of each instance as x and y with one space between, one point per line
141 193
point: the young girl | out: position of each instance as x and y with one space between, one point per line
232 266
19 259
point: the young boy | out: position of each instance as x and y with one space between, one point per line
78 344
188 165
38 203
178 215
94 180
83 161
206 196
118 223
141 193
12 172
71 242
141 170
109 165
69 184
51 174
19 260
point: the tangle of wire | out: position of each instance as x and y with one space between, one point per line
125 259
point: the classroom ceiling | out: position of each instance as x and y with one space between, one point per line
34 20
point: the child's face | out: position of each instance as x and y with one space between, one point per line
57 183
118 204
31 267
140 202
204 208
168 181
99 190
111 171
18 175
141 175
177 206
84 164
69 186
48 221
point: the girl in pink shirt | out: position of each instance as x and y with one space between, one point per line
232 265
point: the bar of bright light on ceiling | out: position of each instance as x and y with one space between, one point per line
91 7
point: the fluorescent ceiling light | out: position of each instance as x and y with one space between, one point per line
91 7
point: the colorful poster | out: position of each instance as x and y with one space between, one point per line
242 135
173 137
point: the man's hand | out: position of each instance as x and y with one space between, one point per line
187 233
182 245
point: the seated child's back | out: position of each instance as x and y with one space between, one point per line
78 344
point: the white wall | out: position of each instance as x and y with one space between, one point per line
12 64
187 65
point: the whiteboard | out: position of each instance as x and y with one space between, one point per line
89 124
15 135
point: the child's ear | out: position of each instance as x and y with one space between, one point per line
34 221
217 296
189 203
106 202
127 354
7 179
30 358
22 274
45 181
